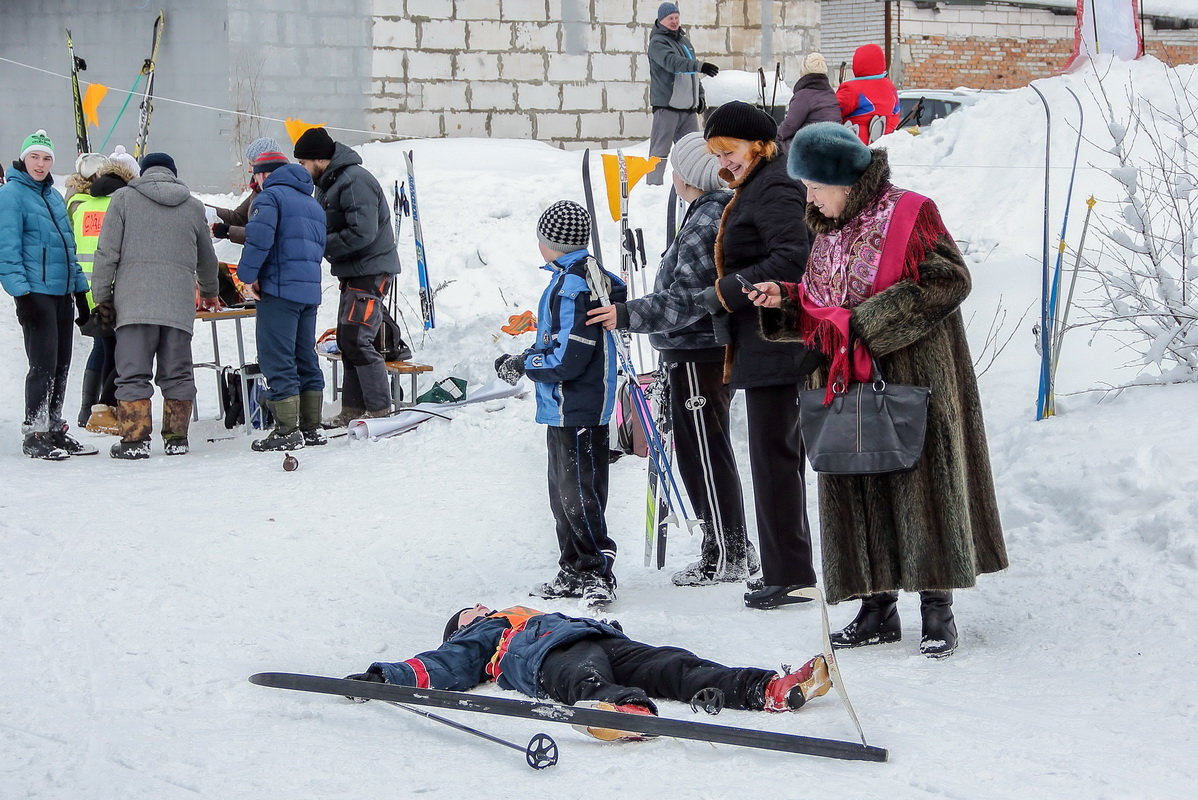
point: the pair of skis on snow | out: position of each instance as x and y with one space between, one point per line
649 393
147 100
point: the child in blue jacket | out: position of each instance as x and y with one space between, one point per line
574 367
577 660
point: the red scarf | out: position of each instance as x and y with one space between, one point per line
913 225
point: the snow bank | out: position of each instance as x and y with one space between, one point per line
139 596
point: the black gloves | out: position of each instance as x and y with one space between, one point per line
372 675
510 368
710 70
81 307
220 230
105 314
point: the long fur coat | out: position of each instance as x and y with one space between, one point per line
936 526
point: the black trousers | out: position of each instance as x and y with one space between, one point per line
46 322
699 402
779 491
359 318
578 467
103 361
620 671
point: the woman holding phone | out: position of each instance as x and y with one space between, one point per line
762 237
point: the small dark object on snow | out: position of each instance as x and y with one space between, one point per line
710 700
290 463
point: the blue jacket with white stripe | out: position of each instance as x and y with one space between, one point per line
572 363
493 648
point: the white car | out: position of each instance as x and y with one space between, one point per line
923 106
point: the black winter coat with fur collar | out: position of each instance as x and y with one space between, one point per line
762 237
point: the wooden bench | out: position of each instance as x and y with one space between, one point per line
394 370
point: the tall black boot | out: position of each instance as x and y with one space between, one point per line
939 628
876 623
91 392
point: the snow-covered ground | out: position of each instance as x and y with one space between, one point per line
137 597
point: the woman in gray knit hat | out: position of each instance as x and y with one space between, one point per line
680 328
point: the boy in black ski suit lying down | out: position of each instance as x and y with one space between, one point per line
574 660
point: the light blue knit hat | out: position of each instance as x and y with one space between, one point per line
259 146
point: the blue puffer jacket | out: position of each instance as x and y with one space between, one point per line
285 238
573 363
37 246
462 662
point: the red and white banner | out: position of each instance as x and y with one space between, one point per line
1106 27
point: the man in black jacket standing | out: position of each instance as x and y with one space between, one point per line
674 89
361 250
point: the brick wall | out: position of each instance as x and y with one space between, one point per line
990 46
572 72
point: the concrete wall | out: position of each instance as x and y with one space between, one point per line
308 59
573 72
845 25
222 54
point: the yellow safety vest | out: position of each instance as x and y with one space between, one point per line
86 218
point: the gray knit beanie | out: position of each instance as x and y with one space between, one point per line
695 164
565 227
259 146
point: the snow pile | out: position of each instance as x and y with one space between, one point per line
139 596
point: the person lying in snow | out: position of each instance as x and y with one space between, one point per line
573 660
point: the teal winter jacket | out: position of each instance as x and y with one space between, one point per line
37 246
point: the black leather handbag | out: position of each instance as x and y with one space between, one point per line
869 428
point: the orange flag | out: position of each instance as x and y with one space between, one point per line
637 167
91 102
296 127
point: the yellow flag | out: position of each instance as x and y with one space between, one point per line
91 102
637 168
296 127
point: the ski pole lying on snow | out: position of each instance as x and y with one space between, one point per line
540 753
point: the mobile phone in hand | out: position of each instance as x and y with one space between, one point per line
752 290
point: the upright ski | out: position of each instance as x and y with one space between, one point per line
147 99
426 289
672 221
596 250
657 502
574 715
78 64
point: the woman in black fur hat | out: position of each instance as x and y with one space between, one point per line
762 237
886 280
